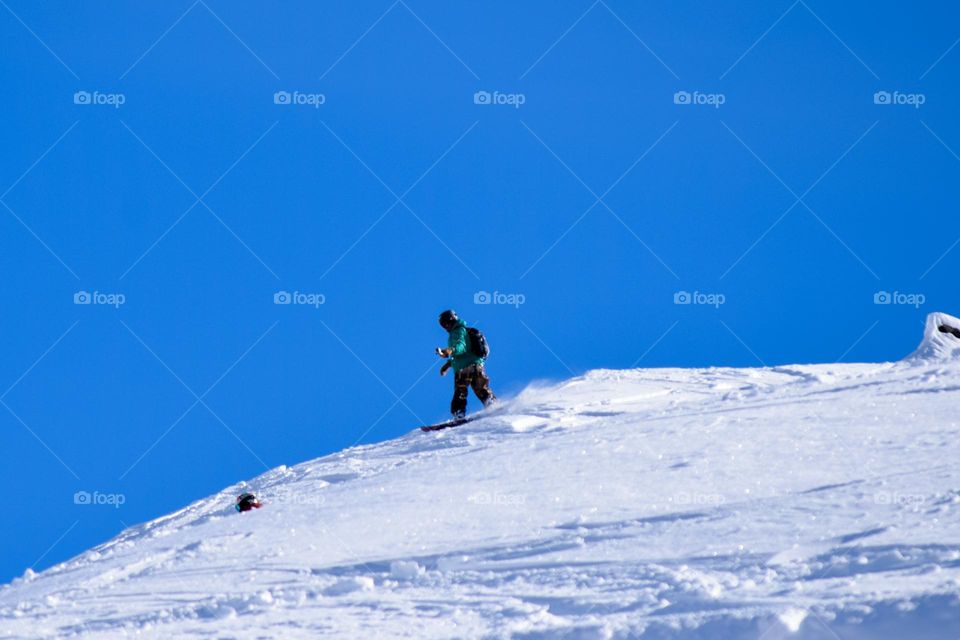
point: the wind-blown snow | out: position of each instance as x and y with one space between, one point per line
816 501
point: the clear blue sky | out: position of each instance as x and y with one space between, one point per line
777 185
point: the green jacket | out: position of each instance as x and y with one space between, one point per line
459 343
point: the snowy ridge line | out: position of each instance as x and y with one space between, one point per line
801 502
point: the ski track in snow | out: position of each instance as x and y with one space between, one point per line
809 501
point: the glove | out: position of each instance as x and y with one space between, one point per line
443 353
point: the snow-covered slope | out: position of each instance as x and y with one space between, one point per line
818 501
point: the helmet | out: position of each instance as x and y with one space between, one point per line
448 318
246 502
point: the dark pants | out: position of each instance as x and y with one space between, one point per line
472 376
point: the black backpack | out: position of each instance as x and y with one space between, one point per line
478 343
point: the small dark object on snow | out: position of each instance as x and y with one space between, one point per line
944 328
246 502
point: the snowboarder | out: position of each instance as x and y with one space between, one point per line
467 365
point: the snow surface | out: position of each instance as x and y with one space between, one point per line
815 501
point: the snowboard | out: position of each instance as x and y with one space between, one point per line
486 412
448 424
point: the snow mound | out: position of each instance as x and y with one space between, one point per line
941 339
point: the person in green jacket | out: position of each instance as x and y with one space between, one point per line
467 366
